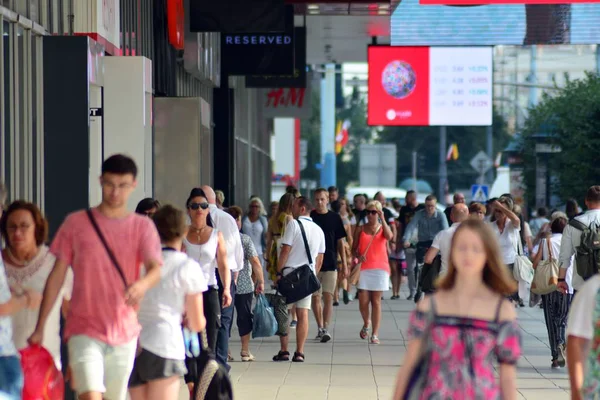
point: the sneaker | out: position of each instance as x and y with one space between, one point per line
320 334
326 336
410 297
336 303
246 357
555 364
561 356
293 324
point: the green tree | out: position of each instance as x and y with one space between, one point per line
310 130
570 120
426 142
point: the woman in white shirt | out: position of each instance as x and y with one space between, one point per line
506 224
28 263
160 362
556 304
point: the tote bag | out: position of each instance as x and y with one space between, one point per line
545 279
523 269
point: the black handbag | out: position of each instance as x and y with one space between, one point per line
300 282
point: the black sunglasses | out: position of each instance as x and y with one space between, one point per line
195 206
372 212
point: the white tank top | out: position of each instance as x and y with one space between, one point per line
206 255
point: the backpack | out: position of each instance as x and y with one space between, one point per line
212 381
587 254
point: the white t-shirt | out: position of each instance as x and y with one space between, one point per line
163 306
581 314
34 276
507 240
442 242
293 237
206 255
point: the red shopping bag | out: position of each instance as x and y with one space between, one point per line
43 381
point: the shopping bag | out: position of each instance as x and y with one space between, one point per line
43 381
264 324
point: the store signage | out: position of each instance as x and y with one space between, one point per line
286 102
99 19
295 80
260 53
176 23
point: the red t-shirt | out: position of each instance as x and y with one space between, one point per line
98 308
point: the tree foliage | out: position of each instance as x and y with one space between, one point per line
571 120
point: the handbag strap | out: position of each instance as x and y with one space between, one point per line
549 249
372 239
108 250
310 260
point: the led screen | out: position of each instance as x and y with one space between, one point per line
422 86
414 24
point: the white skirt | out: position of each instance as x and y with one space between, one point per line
375 280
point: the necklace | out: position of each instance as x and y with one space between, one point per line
16 260
199 232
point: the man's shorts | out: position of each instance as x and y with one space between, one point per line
99 367
304 303
328 281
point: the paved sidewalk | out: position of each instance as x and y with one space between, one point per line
350 368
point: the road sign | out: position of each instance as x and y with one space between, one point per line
482 163
480 193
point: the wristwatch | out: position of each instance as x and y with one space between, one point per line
561 280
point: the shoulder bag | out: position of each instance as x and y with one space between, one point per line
301 282
212 382
111 255
523 268
545 278
354 275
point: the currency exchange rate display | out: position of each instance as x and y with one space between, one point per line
430 86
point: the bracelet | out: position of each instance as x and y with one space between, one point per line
561 280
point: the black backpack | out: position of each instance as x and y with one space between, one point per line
587 254
212 380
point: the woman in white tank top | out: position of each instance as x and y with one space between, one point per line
206 245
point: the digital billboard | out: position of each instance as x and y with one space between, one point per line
414 24
423 86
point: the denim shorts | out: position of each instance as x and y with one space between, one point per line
11 378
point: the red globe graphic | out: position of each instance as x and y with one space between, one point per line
398 79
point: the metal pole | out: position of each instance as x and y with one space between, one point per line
489 133
414 170
443 170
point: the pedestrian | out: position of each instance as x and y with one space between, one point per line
160 360
407 213
370 248
147 207
105 247
458 334
297 252
335 234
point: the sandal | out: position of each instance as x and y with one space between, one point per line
374 340
246 357
298 357
282 356
364 332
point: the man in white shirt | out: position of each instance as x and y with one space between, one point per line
293 255
225 224
443 240
572 239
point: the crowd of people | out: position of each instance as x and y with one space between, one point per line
131 287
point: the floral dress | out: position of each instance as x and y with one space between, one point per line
463 354
275 248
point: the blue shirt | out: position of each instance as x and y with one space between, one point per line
7 347
427 226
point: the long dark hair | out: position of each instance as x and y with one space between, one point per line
197 192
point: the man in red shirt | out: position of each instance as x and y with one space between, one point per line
101 327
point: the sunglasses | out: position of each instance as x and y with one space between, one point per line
196 206
372 212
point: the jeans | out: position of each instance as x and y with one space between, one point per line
11 378
224 329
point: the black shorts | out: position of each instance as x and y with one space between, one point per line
150 367
243 306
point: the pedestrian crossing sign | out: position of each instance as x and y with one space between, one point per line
479 193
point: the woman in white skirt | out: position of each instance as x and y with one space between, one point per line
370 248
